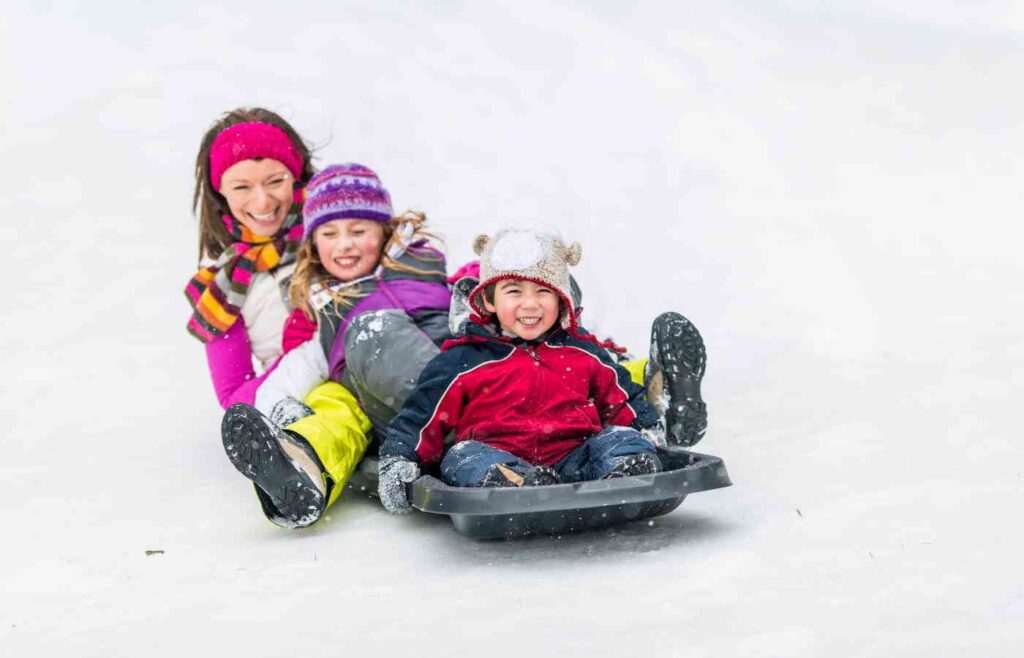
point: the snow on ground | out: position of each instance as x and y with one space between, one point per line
831 191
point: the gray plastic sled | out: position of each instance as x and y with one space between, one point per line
563 508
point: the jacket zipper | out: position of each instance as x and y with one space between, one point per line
536 441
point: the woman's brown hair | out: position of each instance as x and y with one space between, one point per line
207 202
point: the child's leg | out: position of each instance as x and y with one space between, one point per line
468 463
385 353
337 432
601 454
674 374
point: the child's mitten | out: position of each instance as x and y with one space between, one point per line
395 472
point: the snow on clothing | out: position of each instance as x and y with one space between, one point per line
538 400
468 462
387 351
405 343
423 297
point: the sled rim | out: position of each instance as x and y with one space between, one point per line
705 472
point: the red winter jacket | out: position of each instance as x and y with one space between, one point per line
537 400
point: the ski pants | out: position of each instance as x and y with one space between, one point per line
338 431
385 353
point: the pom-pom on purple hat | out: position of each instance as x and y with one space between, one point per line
345 191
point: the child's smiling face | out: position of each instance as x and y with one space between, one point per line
524 308
349 248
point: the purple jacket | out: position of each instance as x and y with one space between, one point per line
424 296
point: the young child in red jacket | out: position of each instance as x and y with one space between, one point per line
531 398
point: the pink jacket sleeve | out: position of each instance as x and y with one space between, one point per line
230 361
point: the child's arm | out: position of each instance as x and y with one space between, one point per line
295 375
417 433
431 411
302 367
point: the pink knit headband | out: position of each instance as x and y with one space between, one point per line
248 141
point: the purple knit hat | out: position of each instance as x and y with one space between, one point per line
345 191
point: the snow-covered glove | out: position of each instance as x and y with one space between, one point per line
296 374
394 472
289 410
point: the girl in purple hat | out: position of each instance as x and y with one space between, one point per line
373 294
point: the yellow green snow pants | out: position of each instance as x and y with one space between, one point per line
636 370
337 430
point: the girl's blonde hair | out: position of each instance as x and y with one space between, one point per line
309 271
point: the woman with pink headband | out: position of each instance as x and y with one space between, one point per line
251 171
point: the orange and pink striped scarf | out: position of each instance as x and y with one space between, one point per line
217 291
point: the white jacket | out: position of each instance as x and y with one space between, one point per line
265 313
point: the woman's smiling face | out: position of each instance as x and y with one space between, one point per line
259 193
349 248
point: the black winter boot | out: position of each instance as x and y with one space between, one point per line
540 476
643 463
288 475
673 376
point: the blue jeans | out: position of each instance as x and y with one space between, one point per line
467 462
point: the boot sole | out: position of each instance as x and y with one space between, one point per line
255 452
682 370
641 464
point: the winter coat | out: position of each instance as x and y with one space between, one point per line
423 297
538 400
258 334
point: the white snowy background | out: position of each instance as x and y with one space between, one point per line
831 191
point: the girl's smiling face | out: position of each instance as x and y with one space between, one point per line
524 308
349 248
259 193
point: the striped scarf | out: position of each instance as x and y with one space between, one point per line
218 291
